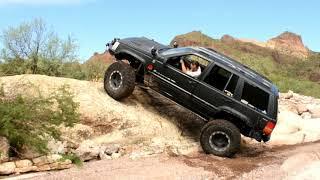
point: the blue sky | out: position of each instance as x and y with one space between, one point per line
95 22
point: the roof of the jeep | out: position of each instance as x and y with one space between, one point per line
235 65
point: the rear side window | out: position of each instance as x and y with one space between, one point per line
231 87
255 97
218 77
222 79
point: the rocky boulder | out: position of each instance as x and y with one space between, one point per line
89 150
315 112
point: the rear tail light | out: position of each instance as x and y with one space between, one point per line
150 67
269 128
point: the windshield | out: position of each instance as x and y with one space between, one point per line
169 51
163 49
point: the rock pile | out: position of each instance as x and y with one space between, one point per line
298 120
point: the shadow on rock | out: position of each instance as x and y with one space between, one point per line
189 123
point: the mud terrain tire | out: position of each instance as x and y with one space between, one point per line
119 80
221 138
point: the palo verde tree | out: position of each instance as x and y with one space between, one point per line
35 45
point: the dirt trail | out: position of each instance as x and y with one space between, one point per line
252 163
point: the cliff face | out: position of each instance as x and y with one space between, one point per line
103 57
289 43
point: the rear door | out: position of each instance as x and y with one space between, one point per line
216 89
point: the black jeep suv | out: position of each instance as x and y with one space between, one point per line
231 97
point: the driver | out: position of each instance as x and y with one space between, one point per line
194 70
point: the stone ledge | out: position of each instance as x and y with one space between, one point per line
43 163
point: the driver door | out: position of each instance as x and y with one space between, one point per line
177 84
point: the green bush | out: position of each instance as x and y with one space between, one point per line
13 67
73 70
94 70
73 158
31 121
91 70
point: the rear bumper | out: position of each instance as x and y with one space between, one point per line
266 138
259 136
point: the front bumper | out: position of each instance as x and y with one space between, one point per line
113 45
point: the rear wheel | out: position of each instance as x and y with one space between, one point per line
221 138
119 80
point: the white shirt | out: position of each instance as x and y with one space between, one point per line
194 73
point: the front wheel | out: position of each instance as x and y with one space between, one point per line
119 80
221 138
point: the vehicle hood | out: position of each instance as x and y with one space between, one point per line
142 44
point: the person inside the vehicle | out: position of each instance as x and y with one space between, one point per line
194 69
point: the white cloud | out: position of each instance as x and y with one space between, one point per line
43 2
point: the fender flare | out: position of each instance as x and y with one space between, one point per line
133 55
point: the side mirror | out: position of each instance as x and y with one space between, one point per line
154 52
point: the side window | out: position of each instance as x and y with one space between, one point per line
175 62
255 97
232 85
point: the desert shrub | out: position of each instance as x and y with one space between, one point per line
13 67
73 158
50 67
94 70
31 121
73 70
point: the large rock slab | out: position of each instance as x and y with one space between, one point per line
315 112
298 161
23 163
7 168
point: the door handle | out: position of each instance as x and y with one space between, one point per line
192 82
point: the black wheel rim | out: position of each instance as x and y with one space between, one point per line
115 80
219 141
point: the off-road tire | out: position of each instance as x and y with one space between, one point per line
119 80
227 132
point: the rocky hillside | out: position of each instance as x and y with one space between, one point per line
287 43
147 123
